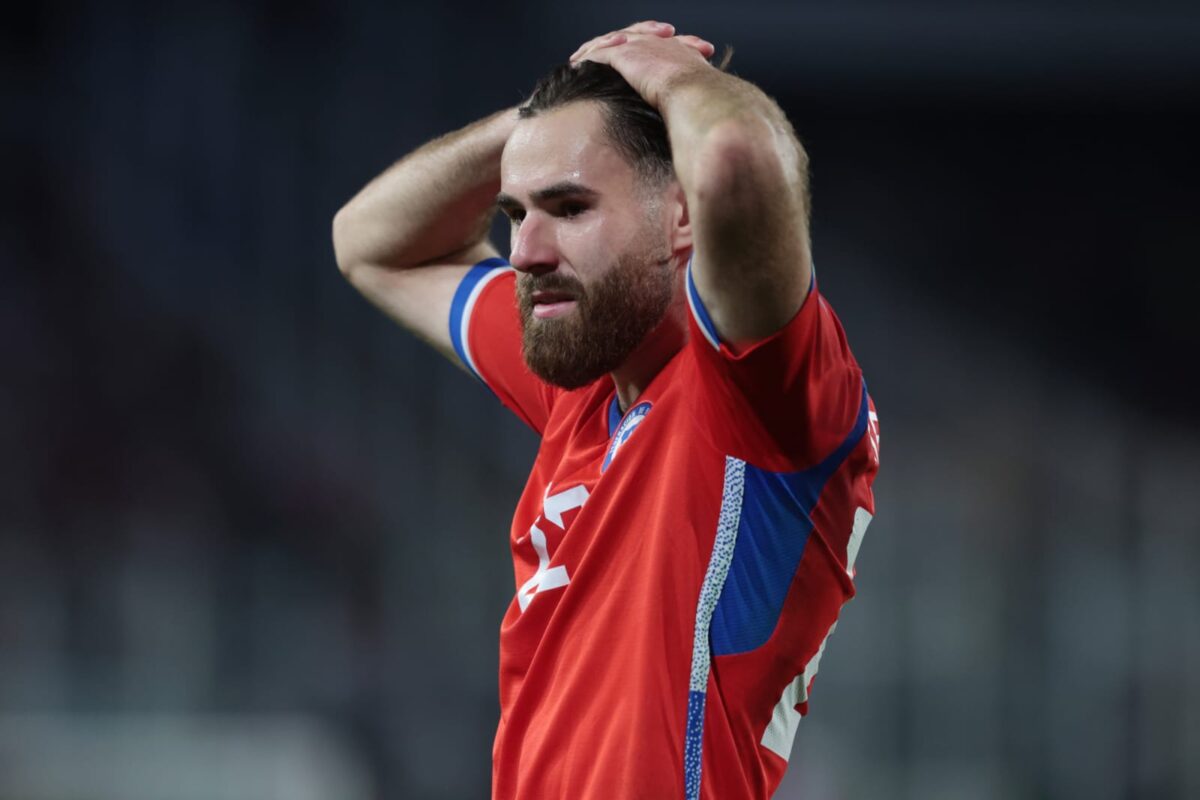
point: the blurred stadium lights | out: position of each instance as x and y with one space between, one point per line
176 757
230 486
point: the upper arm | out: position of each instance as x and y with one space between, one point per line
420 298
466 310
749 211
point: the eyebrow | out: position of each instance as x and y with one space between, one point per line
555 191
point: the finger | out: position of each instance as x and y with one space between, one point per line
612 40
652 27
608 40
602 56
705 47
593 42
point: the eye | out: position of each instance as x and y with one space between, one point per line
572 208
515 215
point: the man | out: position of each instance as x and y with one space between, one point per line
688 532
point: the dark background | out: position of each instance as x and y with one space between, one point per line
252 536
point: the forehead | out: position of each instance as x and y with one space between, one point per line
566 144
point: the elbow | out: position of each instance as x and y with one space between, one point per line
745 160
343 236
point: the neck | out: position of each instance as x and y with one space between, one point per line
644 363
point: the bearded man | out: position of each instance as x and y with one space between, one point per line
688 532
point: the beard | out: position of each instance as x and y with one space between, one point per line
610 319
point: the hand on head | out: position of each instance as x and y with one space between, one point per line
649 55
646 30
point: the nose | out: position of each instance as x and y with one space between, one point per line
533 246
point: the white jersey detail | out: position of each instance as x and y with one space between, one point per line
873 433
555 505
718 569
862 518
785 719
546 577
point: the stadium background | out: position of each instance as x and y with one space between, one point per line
252 536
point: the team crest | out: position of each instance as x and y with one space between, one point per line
628 425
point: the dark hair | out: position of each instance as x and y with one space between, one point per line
634 126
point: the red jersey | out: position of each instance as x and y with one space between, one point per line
678 567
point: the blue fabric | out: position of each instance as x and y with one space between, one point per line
614 416
702 316
772 532
692 745
459 304
625 427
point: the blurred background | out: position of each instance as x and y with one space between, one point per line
253 536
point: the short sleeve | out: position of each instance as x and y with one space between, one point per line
485 329
787 401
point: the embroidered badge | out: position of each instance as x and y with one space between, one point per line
624 431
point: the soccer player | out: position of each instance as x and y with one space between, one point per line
688 532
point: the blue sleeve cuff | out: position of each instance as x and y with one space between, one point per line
464 303
700 313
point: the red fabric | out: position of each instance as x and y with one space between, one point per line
594 671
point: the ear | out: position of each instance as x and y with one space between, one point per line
680 232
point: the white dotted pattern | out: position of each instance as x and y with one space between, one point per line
718 567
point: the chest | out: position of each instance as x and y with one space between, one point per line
608 489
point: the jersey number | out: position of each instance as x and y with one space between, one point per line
547 577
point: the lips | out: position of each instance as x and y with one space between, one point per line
547 305
547 297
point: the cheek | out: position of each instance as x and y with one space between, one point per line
592 242
585 229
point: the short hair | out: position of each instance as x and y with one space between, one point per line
633 126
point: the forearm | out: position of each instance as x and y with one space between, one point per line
727 136
435 202
745 176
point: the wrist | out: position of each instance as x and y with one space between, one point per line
675 87
701 100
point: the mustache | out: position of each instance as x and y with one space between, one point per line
550 282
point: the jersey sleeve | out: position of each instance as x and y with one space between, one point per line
485 329
785 402
794 409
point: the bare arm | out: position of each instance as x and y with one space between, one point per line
745 176
406 240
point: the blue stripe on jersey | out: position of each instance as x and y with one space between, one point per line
707 326
700 312
692 750
464 300
773 529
